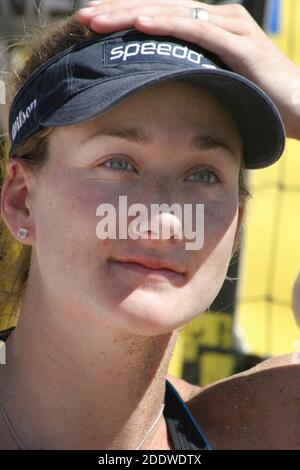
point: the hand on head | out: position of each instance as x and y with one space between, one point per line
228 30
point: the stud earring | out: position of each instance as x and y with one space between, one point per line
22 233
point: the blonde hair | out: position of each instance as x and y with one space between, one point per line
36 49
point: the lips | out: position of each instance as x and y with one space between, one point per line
151 263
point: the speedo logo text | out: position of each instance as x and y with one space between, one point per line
151 50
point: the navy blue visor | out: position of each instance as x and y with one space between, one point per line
92 76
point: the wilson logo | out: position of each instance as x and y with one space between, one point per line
21 118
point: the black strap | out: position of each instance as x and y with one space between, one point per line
184 431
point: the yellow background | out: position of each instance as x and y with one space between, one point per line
270 258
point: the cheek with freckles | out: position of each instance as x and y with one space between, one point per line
210 277
68 250
210 264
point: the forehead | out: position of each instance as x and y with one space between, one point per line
173 110
185 98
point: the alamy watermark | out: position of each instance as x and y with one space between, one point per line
2 92
165 221
2 353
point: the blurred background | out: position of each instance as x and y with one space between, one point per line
252 318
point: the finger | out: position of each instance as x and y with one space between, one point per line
125 18
235 10
229 47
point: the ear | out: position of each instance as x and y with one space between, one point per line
241 212
15 207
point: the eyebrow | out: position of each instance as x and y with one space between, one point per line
202 140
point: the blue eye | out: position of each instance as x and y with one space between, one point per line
119 162
208 177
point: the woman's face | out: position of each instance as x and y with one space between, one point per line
85 170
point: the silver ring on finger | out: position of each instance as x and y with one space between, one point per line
200 14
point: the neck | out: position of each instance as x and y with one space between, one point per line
81 385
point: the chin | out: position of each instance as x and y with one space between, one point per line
147 318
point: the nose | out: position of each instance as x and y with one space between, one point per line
159 225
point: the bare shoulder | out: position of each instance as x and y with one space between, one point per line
186 389
255 409
279 363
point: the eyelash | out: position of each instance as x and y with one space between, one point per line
127 160
119 159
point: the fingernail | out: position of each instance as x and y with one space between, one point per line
103 17
87 10
145 19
